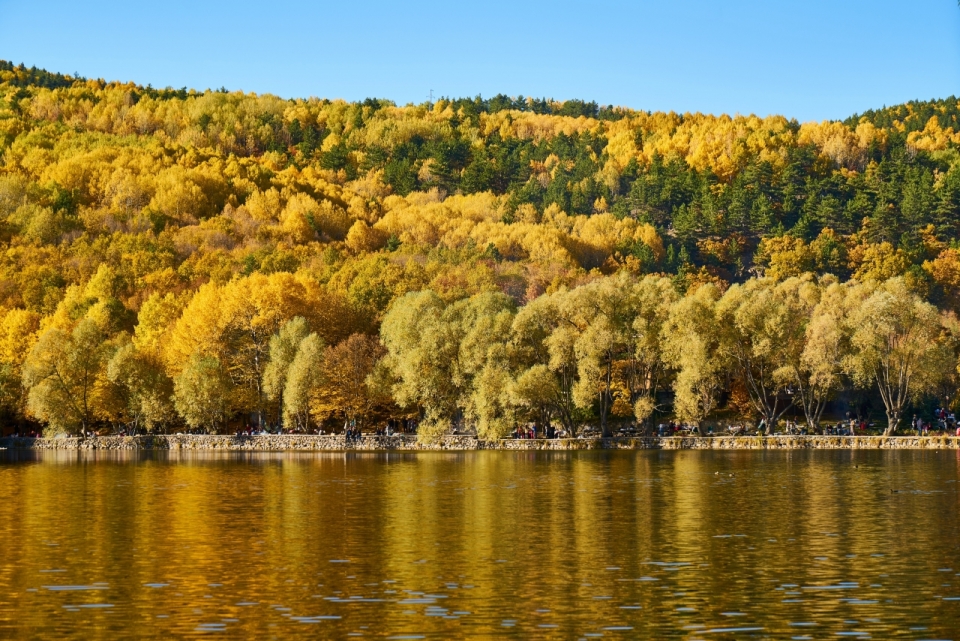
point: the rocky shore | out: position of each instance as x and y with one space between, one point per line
337 443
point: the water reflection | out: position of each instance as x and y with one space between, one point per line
682 545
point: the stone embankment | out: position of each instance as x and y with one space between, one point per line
335 443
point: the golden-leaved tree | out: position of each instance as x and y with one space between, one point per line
66 375
693 344
898 342
763 332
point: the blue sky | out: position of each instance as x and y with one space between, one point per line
807 59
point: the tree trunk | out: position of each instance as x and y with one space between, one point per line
606 400
893 420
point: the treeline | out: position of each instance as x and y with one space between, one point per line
122 207
277 350
613 347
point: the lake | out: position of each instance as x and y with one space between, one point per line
551 545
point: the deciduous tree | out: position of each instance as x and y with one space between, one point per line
63 373
898 343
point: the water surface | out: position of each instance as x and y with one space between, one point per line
552 545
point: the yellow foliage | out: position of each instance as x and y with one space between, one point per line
785 256
837 142
877 262
933 137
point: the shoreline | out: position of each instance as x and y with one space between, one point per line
337 443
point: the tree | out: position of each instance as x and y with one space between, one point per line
422 352
898 342
304 377
542 345
603 313
202 392
826 347
763 324
435 351
644 368
491 405
284 346
347 370
533 394
146 388
18 333
63 373
692 343
234 324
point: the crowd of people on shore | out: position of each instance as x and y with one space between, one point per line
531 432
944 423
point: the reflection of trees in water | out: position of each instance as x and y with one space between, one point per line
530 530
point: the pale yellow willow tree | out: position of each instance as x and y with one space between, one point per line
898 342
304 378
143 385
763 325
826 347
484 322
693 347
283 350
618 321
437 352
64 373
542 348
603 313
203 393
643 370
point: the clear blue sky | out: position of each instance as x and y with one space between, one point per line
808 59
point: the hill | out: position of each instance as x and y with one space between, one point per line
132 201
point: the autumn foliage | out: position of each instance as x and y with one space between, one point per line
212 260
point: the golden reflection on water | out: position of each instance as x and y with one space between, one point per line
480 544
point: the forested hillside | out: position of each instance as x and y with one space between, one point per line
214 259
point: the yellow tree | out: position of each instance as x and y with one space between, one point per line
283 350
63 372
693 345
762 325
18 333
346 389
155 320
234 323
898 342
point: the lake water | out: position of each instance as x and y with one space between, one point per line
614 545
